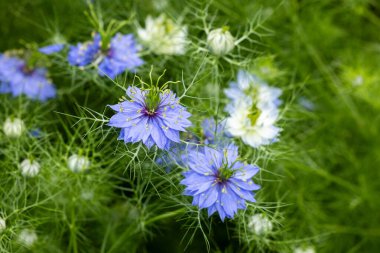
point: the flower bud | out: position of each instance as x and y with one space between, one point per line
78 163
29 168
260 224
27 237
220 41
3 225
305 249
13 127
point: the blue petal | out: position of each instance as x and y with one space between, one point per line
139 131
209 197
127 106
136 94
220 210
158 135
246 185
195 200
211 210
229 201
200 186
124 119
247 172
215 156
243 194
149 142
51 49
198 163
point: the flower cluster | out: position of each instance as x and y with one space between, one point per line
17 78
213 173
120 55
152 116
253 110
216 179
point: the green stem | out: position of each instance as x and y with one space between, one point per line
165 215
73 239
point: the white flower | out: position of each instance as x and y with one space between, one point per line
260 224
308 249
29 168
78 163
27 237
253 110
13 127
3 225
220 41
162 36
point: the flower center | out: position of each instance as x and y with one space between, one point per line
169 26
152 101
224 173
150 112
254 114
26 70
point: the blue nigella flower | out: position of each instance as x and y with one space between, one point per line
84 53
51 49
218 181
151 116
16 78
121 55
8 68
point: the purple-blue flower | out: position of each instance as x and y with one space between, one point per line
17 78
8 67
151 116
84 53
121 55
51 49
218 181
